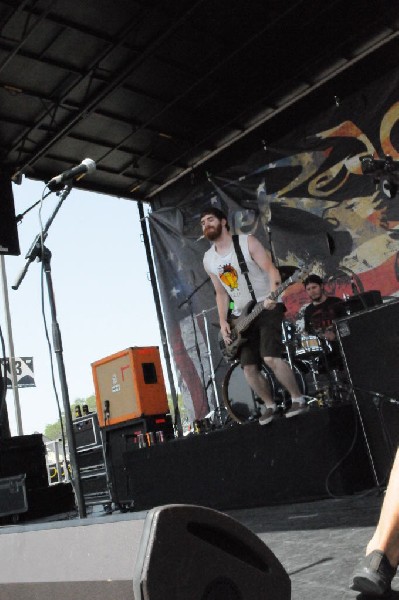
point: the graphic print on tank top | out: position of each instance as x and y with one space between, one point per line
229 276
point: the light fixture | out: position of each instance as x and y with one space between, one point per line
384 173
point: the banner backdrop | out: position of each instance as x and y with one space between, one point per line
307 200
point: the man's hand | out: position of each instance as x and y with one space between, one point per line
225 331
329 335
269 304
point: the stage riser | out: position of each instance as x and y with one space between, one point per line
71 590
249 465
90 562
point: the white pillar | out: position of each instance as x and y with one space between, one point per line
11 347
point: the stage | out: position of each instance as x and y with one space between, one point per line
318 544
304 486
309 487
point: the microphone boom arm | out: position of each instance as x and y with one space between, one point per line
35 250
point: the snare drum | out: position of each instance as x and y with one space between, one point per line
241 402
308 344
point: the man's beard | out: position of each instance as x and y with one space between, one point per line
212 233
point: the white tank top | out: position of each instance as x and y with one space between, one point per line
227 269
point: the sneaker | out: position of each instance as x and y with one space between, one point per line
373 575
297 408
267 416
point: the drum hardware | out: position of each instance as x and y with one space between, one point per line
305 350
242 404
325 382
202 425
340 389
217 413
328 385
307 357
289 340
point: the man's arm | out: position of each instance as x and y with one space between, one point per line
222 303
263 259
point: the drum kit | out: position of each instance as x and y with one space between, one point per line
314 364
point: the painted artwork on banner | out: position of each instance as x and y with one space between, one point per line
308 200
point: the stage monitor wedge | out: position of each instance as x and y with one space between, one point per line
9 243
195 552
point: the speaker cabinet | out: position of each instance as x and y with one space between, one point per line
25 454
360 302
194 552
87 431
370 345
130 385
9 243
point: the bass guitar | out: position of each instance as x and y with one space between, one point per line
249 314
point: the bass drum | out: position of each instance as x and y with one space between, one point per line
242 404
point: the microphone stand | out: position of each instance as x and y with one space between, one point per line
197 348
41 253
356 285
379 400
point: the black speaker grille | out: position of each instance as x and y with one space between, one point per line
222 588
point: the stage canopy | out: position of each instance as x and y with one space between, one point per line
158 91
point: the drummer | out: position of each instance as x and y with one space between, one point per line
320 314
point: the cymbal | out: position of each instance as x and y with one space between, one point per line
286 271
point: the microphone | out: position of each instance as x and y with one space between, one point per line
86 166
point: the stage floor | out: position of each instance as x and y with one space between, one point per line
318 543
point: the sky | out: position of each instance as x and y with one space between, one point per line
103 294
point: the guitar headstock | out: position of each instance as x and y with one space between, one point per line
302 273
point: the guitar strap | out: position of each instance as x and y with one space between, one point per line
243 265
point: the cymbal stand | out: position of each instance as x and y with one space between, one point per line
218 410
314 372
288 343
338 391
188 301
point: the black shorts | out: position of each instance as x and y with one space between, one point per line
264 337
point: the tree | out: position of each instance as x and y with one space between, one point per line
53 430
